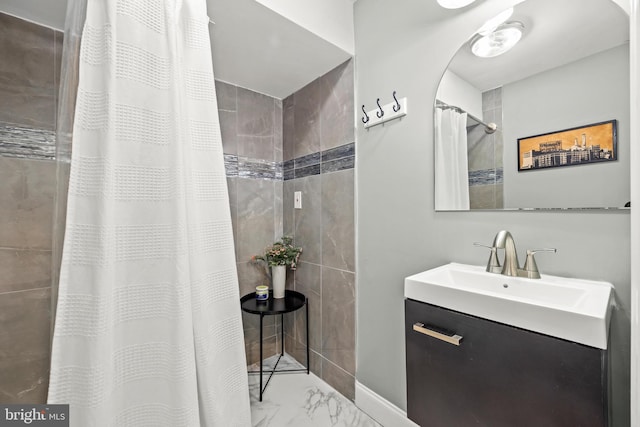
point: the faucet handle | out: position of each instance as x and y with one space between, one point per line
482 245
530 267
493 266
533 251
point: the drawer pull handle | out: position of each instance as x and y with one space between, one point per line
454 339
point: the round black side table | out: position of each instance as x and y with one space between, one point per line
292 301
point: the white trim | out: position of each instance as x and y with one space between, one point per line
634 21
380 409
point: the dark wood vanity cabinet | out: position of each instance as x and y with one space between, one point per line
498 375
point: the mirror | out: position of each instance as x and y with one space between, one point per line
504 124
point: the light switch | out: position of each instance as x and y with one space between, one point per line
297 199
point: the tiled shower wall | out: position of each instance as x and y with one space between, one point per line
29 66
319 149
272 149
251 126
485 156
318 134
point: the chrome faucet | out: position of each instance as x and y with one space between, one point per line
510 265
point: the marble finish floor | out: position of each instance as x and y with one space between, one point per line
301 400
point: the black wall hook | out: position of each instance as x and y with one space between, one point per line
381 112
396 107
365 119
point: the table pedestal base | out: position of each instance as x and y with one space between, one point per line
275 369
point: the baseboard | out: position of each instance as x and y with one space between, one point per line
380 409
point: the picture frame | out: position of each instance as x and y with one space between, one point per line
582 145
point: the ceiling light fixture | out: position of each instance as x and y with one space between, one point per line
495 22
454 4
497 42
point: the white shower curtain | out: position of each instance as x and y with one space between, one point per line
148 328
452 165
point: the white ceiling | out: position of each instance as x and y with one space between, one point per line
556 33
256 48
252 46
248 37
331 20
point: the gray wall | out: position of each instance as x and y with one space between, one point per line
591 90
319 160
398 232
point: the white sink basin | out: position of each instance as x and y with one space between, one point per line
572 309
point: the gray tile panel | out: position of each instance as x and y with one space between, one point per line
337 106
338 378
308 281
338 165
308 220
228 125
23 269
227 96
338 318
255 114
232 187
289 174
256 218
288 225
288 128
260 169
338 229
27 142
27 194
25 318
308 160
331 160
279 172
486 177
482 197
308 171
253 168
27 73
256 147
346 150
278 205
231 165
306 121
335 159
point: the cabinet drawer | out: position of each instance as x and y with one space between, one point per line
498 375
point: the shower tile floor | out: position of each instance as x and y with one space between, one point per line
301 400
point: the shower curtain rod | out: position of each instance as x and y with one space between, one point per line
489 128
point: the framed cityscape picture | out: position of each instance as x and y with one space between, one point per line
594 143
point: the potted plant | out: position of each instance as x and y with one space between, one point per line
278 256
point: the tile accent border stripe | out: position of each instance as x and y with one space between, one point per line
40 144
243 167
28 143
486 177
332 160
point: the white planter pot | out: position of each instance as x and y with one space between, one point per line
278 279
